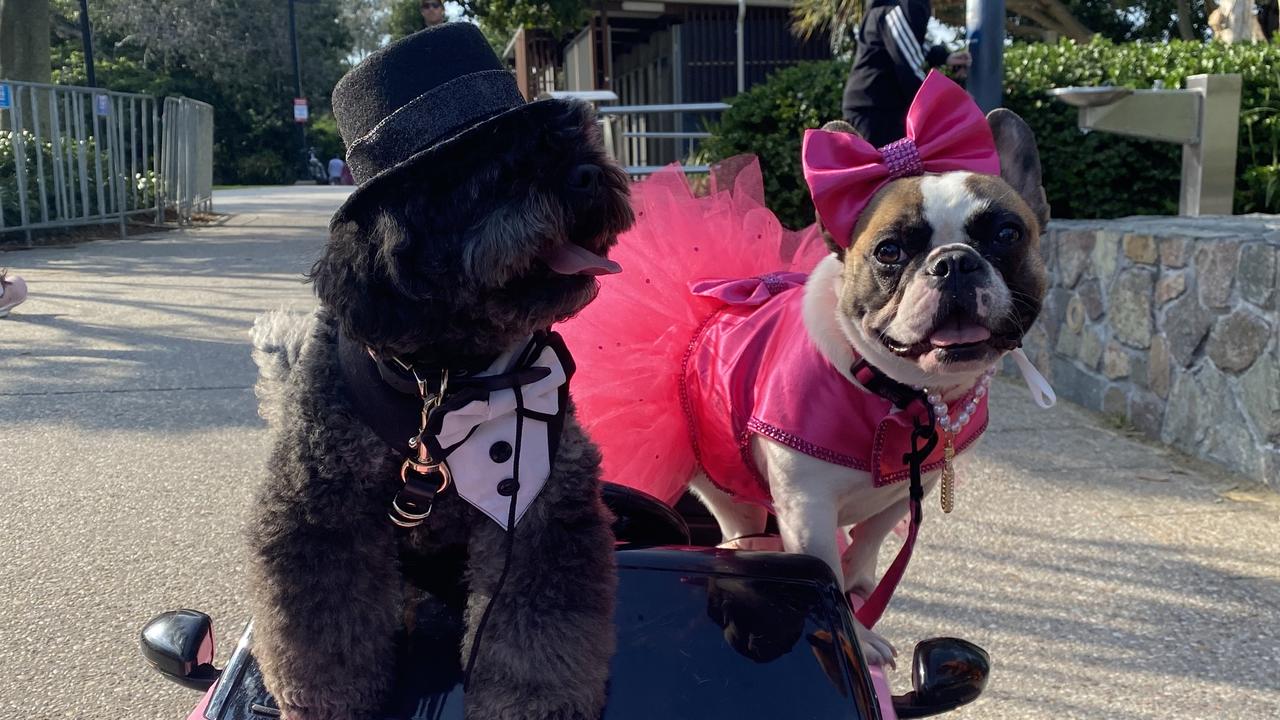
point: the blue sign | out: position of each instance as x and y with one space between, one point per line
103 104
6 98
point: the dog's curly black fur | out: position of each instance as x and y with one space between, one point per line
439 264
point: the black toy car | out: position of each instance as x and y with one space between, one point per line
703 633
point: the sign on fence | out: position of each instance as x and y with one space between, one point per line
102 105
6 97
300 110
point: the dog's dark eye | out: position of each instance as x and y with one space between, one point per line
889 253
1008 235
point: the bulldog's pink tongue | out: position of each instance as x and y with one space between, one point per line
570 259
958 334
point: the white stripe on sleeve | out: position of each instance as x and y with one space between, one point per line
904 37
911 50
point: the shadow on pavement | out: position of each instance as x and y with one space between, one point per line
1167 610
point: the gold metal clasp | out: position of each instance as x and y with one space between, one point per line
416 472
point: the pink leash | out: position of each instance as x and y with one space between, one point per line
870 612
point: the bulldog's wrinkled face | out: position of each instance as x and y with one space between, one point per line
943 273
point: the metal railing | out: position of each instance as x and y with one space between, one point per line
186 157
646 138
76 156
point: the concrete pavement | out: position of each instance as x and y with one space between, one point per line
130 446
1107 577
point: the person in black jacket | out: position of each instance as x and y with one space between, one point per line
890 66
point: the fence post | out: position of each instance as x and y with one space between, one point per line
19 158
155 159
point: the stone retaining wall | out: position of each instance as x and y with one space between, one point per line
1174 325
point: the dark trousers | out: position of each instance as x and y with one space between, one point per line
876 126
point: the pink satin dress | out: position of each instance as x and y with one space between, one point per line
699 345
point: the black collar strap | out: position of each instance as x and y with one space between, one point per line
400 377
381 397
871 377
398 373
385 396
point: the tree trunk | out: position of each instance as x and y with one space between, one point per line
1068 24
1053 16
24 40
1184 20
24 52
1027 32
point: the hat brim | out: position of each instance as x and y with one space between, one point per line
379 181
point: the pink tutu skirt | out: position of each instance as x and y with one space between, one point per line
630 343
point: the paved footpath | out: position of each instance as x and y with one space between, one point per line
1107 577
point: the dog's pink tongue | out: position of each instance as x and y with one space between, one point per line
959 334
570 259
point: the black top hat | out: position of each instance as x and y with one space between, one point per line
417 95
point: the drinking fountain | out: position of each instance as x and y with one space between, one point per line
1204 118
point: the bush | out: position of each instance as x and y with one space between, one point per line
264 167
67 154
769 120
323 135
1087 176
1104 175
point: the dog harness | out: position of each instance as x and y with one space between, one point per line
752 370
491 435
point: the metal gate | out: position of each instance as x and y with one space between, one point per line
76 156
82 156
186 157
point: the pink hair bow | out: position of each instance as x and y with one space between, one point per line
945 131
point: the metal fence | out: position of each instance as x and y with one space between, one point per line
186 157
645 138
80 156
75 156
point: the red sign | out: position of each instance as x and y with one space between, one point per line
300 113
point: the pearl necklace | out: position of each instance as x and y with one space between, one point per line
952 427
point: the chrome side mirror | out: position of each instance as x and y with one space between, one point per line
179 644
946 673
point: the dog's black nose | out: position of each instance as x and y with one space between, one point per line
954 262
586 178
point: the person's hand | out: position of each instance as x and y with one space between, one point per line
958 63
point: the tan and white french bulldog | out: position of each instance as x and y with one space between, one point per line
941 277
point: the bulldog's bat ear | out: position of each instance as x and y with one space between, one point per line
840 126
843 127
1020 160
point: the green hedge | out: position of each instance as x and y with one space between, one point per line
769 120
265 167
68 154
1087 176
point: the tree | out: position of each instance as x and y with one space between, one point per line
501 18
231 41
24 48
1044 17
233 54
404 18
367 21
813 17
1038 19
24 40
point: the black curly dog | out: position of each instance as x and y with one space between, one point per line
440 267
